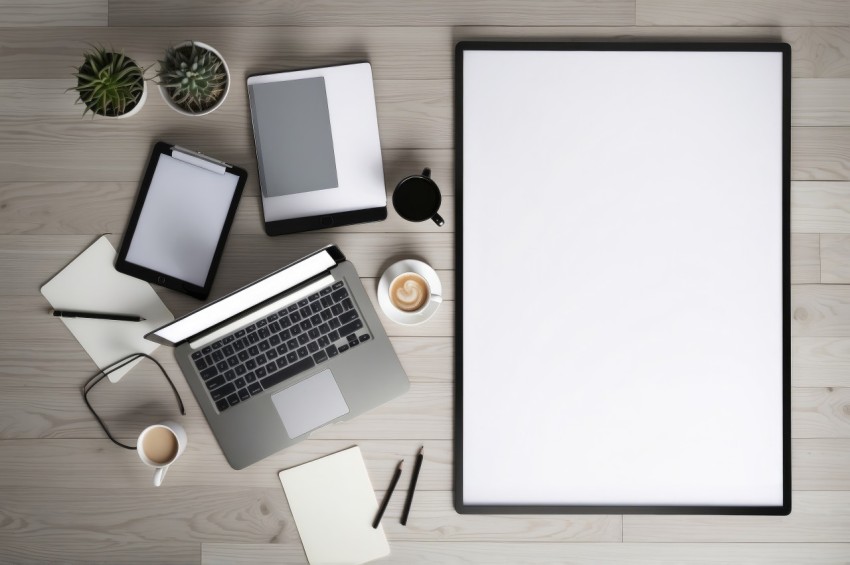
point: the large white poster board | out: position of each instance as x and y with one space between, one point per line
622 323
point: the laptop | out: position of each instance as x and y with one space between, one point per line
284 356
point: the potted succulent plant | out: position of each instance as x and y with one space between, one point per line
110 84
193 78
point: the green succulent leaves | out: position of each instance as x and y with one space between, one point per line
108 83
194 77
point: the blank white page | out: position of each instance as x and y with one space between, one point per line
182 219
622 278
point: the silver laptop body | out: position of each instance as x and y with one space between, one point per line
329 360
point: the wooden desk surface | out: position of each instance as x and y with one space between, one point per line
68 495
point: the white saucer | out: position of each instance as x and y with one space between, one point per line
409 266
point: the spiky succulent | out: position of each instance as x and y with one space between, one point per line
108 83
194 77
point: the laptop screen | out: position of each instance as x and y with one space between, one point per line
243 299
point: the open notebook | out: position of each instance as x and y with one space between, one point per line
333 504
90 283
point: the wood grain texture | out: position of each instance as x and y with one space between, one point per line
820 361
394 52
820 310
743 12
820 102
820 153
372 13
805 258
820 412
820 207
564 553
45 13
834 250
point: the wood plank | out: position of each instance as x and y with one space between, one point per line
44 13
424 412
820 207
32 260
103 551
92 208
816 517
412 552
820 412
818 464
819 153
375 13
821 464
833 252
394 52
97 463
742 12
820 310
820 102
138 517
142 521
805 258
820 362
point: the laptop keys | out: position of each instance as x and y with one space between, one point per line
223 391
287 372
282 345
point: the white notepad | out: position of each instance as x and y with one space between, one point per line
334 505
90 283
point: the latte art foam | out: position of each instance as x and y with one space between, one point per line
409 292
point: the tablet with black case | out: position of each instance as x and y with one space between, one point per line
179 225
318 149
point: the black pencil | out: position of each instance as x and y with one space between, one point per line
387 496
96 316
409 500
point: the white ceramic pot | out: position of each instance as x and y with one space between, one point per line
170 102
138 105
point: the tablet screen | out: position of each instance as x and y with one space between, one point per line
182 220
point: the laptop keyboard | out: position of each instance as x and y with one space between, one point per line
282 345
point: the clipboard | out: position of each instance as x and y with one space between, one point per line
179 224
318 148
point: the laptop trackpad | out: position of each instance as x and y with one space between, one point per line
309 404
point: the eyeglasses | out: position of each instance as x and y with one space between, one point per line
114 367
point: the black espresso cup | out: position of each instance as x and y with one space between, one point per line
417 198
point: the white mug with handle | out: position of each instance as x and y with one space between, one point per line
160 445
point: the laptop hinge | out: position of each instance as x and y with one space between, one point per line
260 311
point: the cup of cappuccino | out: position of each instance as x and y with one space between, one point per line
159 446
409 292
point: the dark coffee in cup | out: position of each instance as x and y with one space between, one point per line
417 198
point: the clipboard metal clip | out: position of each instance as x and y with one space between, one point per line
199 159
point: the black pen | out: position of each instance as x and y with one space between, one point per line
117 317
387 496
409 500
